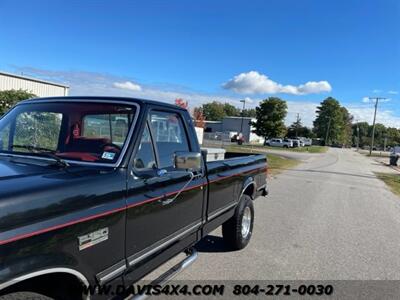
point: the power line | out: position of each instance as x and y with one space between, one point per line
373 124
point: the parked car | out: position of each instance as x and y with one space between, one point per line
84 205
297 143
306 141
285 143
238 138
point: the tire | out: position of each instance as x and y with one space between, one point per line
24 296
237 231
285 146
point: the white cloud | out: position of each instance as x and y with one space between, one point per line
83 83
98 84
393 92
366 114
306 110
248 100
127 85
372 100
255 83
376 91
366 100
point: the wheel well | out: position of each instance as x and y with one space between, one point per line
249 190
60 286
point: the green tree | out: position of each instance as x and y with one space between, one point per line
380 134
216 111
393 136
213 111
293 130
345 136
363 128
11 97
270 115
249 112
332 122
297 129
231 111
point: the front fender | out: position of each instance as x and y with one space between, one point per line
19 268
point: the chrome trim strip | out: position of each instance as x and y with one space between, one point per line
77 274
221 211
134 259
111 273
261 187
11 155
192 256
245 187
111 101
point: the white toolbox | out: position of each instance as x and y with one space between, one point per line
214 154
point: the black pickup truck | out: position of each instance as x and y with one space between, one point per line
101 191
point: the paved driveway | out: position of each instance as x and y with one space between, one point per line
329 218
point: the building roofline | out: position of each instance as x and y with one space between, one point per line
33 79
238 117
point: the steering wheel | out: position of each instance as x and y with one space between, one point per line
118 148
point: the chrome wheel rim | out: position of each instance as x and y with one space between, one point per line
246 222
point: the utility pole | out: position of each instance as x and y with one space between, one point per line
297 125
327 132
358 138
373 124
241 124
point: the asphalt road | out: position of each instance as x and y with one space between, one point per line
329 218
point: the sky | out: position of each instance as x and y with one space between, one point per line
302 51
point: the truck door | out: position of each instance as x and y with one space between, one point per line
164 205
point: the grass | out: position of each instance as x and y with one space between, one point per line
374 153
392 180
377 155
276 162
307 149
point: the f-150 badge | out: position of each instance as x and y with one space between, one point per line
93 238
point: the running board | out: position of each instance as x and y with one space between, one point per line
191 256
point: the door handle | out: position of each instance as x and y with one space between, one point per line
161 172
166 201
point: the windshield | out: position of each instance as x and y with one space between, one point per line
78 131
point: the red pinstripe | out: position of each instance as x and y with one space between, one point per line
27 235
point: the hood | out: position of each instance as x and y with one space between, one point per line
34 189
18 173
12 168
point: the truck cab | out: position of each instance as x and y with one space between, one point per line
101 191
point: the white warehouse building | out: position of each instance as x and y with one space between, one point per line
235 125
40 88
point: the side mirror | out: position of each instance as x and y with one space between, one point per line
185 160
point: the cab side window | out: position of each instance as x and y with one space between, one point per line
145 159
169 136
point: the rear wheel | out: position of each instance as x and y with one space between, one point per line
237 231
24 296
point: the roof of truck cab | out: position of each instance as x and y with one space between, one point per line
105 98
